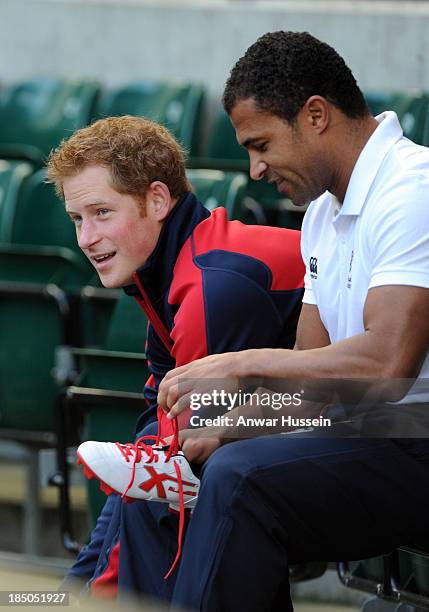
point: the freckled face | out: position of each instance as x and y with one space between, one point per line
110 227
282 153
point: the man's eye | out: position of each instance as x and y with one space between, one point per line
101 212
76 220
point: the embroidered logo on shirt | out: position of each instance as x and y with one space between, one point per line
313 267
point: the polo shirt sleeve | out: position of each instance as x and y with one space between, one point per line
309 297
398 238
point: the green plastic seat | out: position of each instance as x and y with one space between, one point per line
217 188
37 114
13 175
31 328
126 335
178 106
378 101
412 109
371 569
42 243
223 141
403 575
420 564
223 151
96 307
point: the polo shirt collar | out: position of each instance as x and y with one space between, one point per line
369 161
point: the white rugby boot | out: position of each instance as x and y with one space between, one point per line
140 472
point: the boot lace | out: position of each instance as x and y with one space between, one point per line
135 452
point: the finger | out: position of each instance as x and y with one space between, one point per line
171 391
187 371
176 399
183 403
163 391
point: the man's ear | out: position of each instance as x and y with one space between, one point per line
316 111
158 197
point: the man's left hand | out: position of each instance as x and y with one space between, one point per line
198 377
197 444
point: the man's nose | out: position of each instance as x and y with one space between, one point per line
87 235
257 168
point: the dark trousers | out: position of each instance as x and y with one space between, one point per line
268 502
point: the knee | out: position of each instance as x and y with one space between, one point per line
224 470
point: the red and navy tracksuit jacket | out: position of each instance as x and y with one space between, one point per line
211 286
216 286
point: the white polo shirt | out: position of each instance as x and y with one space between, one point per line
379 236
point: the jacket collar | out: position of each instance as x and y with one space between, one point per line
157 273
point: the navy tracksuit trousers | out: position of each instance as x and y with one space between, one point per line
271 501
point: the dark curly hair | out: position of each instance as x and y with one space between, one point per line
281 70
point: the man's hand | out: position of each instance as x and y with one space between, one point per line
197 444
198 450
200 376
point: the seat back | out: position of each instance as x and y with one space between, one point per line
13 175
40 217
128 326
177 106
412 109
378 101
42 242
413 113
31 327
37 114
223 141
402 575
217 188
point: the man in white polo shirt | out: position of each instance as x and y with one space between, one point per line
297 109
378 236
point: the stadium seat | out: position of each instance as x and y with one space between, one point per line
37 114
217 188
378 101
223 143
401 576
96 307
178 106
412 109
13 175
40 245
223 151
